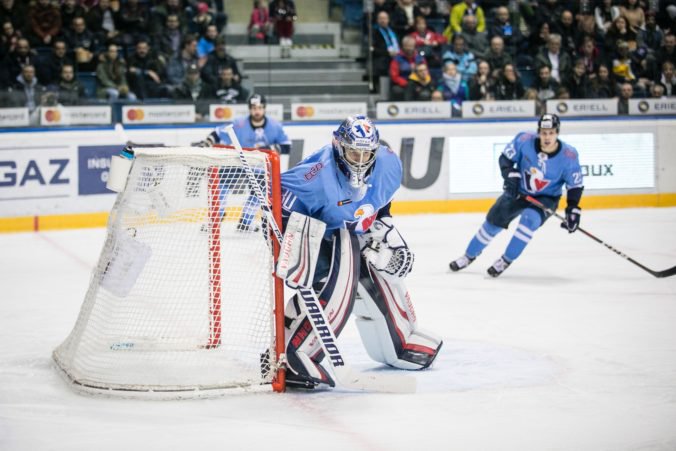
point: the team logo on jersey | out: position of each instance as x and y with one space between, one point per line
314 170
364 216
535 180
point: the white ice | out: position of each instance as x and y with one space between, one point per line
573 348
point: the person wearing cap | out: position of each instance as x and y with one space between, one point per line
534 165
195 90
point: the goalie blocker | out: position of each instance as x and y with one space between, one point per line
385 315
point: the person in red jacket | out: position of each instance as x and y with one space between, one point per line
401 67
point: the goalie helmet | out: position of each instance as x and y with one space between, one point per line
355 144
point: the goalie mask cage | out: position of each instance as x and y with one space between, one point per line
183 301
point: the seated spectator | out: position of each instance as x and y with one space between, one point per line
194 90
538 39
632 10
401 67
420 85
15 12
27 91
577 82
202 20
111 77
463 59
482 84
509 86
15 61
283 14
217 60
652 36
627 70
667 79
590 54
402 16
460 10
207 43
605 14
453 87
548 11
104 21
563 93
532 94
134 20
48 67
71 9
475 41
145 73
666 53
159 14
602 85
626 93
496 56
620 31
260 26
545 85
8 39
428 42
177 66
385 45
552 56
565 28
437 96
510 34
227 90
69 90
45 23
657 91
84 43
214 8
168 41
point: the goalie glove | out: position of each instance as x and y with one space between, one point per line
386 251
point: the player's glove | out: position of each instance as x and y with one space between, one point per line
385 249
511 184
572 219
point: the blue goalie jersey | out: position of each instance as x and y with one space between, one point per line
317 188
543 174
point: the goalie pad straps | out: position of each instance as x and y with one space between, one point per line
387 324
300 250
340 258
385 249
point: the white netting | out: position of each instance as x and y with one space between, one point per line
182 298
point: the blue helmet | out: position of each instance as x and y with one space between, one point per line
355 143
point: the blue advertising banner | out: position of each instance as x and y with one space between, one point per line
93 167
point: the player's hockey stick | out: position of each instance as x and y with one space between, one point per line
345 376
666 273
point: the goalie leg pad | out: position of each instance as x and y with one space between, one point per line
387 324
337 290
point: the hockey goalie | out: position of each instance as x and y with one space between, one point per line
362 260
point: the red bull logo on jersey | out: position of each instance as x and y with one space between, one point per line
535 180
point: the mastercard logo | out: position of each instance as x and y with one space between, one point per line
223 113
53 116
305 111
135 114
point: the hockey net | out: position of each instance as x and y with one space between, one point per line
183 301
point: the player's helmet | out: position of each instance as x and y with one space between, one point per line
355 144
256 99
549 121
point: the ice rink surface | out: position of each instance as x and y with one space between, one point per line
572 348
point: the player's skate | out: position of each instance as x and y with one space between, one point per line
461 263
499 267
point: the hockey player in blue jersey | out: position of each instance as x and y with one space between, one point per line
253 131
349 185
536 165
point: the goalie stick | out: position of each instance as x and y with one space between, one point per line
659 274
345 376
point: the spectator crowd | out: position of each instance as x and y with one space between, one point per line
524 49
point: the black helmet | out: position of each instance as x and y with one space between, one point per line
256 99
549 121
